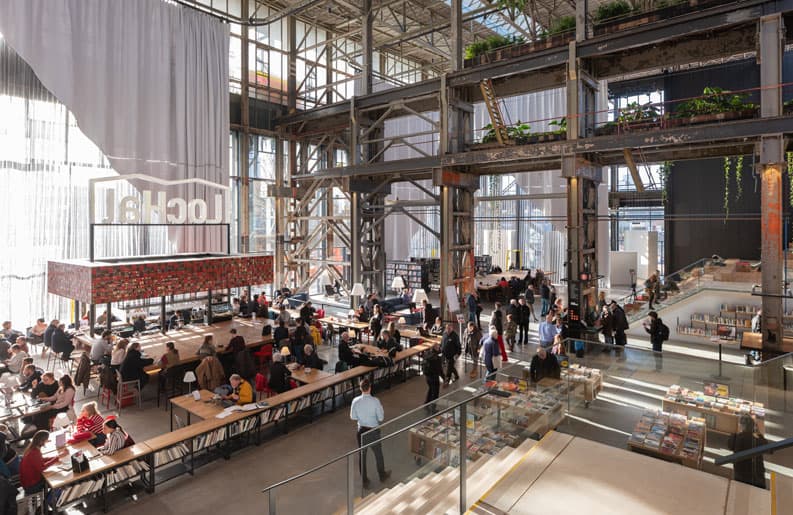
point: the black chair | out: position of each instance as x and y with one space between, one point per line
170 383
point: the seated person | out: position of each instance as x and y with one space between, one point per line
406 297
115 437
437 329
346 354
237 342
173 321
33 465
89 425
241 391
388 343
14 364
5 348
170 358
8 333
101 350
281 332
311 359
62 342
207 347
139 325
134 365
36 333
22 341
544 364
279 380
9 461
118 354
47 387
31 376
62 402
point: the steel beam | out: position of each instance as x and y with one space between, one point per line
456 59
367 47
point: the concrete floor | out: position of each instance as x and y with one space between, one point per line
631 384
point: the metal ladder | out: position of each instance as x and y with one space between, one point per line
493 108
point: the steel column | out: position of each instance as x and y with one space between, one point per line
456 40
771 35
355 239
244 142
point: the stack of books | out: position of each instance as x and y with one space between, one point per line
669 433
731 405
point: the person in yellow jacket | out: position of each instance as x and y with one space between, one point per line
241 390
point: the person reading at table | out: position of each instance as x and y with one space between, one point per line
311 359
388 343
394 332
279 381
170 358
281 333
346 354
48 336
9 461
62 342
89 425
134 365
36 333
25 362
115 437
46 387
118 354
62 402
13 365
207 347
237 342
33 465
101 350
241 391
544 364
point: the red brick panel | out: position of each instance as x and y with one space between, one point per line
130 281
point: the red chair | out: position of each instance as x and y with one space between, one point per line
261 386
264 354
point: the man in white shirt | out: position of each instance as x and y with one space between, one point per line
100 351
368 412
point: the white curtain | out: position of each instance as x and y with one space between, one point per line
147 81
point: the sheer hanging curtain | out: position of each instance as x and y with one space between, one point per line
146 80
45 165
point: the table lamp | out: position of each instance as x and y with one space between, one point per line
285 351
189 378
420 295
397 284
358 290
401 321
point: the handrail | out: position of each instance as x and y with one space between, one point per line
366 446
686 269
751 453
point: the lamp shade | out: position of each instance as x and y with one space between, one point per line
189 377
402 320
357 289
419 295
398 283
285 351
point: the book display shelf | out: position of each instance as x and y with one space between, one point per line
415 273
585 382
730 323
670 436
721 413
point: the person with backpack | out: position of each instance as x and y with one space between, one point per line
451 348
433 370
658 334
620 324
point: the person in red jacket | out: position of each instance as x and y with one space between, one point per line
33 464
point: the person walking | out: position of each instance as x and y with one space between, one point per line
433 370
524 315
471 340
530 301
655 328
450 346
470 302
367 411
607 326
497 321
620 324
545 295
490 353
547 331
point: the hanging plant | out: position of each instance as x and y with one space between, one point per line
789 157
738 177
513 7
665 171
727 164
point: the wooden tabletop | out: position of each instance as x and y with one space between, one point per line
408 332
369 349
56 477
302 375
341 322
205 408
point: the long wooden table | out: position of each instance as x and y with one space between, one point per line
302 375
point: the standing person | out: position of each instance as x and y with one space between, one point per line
376 321
607 326
490 353
547 331
552 296
756 321
470 302
510 330
530 301
620 324
497 320
367 411
471 339
601 301
450 346
649 289
655 328
545 295
524 315
751 470
433 370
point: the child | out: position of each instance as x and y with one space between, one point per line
509 332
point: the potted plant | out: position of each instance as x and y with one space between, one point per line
633 117
715 104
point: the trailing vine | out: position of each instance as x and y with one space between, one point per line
665 171
727 164
738 177
789 157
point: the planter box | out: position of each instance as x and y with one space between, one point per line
712 118
630 21
619 128
519 50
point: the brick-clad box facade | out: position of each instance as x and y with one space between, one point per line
100 283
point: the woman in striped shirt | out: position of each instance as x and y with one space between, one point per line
91 421
115 437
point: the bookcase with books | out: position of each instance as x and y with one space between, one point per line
721 413
670 436
101 484
730 323
483 264
415 273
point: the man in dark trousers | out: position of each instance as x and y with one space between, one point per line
433 370
620 324
524 315
653 325
451 348
368 412
545 295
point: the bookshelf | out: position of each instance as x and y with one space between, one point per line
720 413
730 323
415 273
483 264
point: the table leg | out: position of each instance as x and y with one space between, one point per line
171 406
